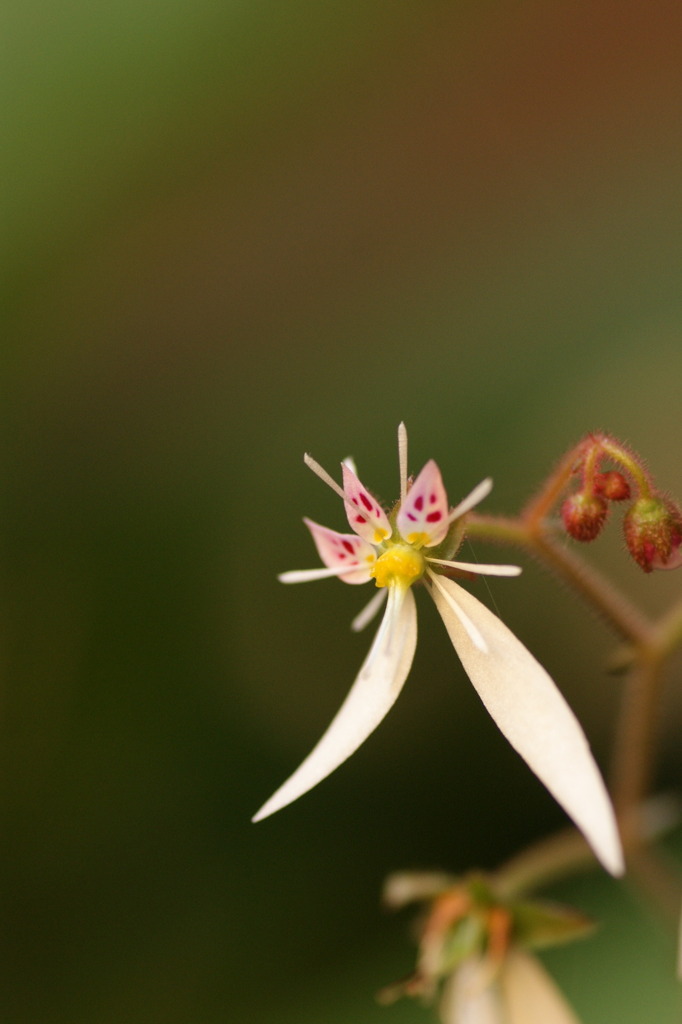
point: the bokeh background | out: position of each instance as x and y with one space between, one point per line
234 233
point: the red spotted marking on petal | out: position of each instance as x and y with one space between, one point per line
365 514
423 514
343 550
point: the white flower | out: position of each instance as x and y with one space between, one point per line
415 543
474 950
517 991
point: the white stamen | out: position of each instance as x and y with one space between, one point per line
479 492
364 617
479 567
402 460
324 475
306 575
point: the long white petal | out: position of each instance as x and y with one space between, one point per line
373 693
529 995
479 567
535 718
472 630
469 998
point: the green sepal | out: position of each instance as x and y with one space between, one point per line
481 891
465 939
452 541
537 924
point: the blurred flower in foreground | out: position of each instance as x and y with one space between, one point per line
414 542
521 992
474 952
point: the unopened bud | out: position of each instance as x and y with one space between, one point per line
653 533
612 485
584 515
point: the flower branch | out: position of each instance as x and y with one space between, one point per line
653 534
539 539
480 931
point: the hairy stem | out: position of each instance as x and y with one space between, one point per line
624 618
649 644
566 852
634 746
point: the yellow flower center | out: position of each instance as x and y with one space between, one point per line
399 566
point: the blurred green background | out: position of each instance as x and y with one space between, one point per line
234 233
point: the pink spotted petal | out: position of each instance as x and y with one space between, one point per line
423 515
351 556
365 514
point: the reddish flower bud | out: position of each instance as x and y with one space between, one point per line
653 533
584 515
612 485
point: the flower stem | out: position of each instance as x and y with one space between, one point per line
629 462
566 852
633 756
624 618
634 747
549 860
648 645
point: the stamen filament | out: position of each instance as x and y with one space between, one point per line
324 475
306 575
479 567
364 617
479 492
402 460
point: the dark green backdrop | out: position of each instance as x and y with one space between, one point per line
236 232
